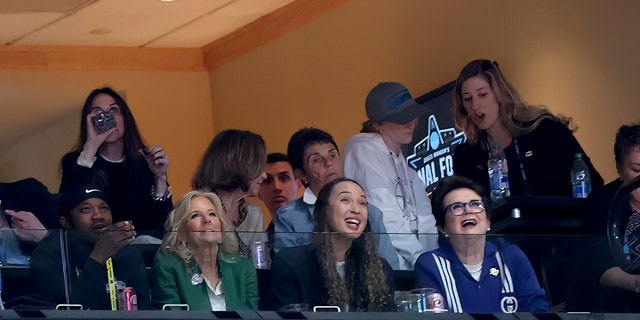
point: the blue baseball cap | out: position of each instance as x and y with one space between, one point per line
391 101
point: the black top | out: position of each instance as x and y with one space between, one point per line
296 277
128 186
594 257
547 155
87 277
33 196
596 211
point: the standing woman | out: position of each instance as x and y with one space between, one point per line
233 168
374 158
341 266
197 262
475 275
539 147
118 161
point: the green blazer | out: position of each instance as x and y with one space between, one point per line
171 283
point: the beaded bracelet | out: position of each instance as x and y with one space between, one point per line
164 197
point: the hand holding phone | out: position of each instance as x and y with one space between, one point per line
103 121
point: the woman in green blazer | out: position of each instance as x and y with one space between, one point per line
198 264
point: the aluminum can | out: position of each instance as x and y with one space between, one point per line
435 301
127 299
259 255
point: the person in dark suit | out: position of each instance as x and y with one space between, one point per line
29 210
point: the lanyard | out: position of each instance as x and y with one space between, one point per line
407 204
527 188
112 284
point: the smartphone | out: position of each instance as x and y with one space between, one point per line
103 121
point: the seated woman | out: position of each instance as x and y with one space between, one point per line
233 168
198 263
341 266
604 286
475 275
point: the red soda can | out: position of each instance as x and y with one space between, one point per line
127 299
435 301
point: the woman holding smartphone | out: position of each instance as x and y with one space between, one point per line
110 153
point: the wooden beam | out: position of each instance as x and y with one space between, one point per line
101 58
207 58
265 29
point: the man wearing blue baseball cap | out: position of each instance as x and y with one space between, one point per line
91 239
374 158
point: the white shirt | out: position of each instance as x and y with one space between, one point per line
216 296
368 161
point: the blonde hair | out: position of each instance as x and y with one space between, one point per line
175 238
517 116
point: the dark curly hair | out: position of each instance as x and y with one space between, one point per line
627 139
364 287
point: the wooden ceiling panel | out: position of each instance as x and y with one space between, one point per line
218 23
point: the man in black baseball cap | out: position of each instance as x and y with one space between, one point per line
91 238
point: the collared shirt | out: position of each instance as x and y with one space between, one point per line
216 296
309 198
397 191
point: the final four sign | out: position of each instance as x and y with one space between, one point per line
433 156
431 152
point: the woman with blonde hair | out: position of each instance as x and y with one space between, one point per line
198 264
539 147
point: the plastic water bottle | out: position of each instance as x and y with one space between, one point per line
580 177
498 172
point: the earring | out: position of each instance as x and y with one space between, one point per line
489 229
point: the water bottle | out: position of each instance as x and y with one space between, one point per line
498 172
580 177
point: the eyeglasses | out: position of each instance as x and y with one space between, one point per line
458 208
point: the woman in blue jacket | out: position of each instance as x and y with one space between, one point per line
475 275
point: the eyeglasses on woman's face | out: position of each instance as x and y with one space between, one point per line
459 208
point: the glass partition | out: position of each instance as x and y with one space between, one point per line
568 267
